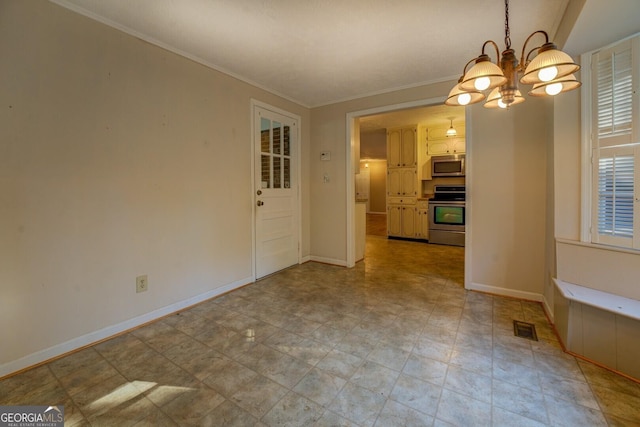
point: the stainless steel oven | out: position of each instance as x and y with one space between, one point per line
447 215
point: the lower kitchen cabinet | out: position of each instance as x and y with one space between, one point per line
401 221
422 224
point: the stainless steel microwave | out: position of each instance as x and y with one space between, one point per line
452 165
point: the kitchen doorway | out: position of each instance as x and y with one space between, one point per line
372 125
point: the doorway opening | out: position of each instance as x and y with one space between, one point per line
368 159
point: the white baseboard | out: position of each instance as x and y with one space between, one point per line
548 309
305 259
333 261
102 334
531 296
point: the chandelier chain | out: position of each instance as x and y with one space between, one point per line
507 31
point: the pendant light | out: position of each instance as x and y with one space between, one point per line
451 132
550 72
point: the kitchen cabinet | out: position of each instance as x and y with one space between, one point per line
402 182
401 221
422 220
401 147
443 147
438 143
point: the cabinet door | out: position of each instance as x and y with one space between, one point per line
436 148
408 221
409 154
394 183
394 220
422 224
409 182
458 146
394 147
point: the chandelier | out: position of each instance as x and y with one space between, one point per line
550 72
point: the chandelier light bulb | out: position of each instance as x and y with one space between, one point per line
501 104
464 98
553 89
482 83
547 74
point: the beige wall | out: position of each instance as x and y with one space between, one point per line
117 159
506 184
378 190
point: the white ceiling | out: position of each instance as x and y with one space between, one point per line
317 52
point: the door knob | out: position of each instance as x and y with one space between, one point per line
259 192
260 203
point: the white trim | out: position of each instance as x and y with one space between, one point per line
586 151
599 246
468 206
110 331
254 103
548 309
324 260
514 293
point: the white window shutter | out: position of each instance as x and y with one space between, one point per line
613 91
616 147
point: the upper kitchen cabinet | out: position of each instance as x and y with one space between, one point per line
401 147
438 143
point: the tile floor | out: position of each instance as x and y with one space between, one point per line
396 341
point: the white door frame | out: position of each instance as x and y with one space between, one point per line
254 197
350 155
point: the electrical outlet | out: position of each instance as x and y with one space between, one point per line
142 284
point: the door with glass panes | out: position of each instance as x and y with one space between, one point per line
276 191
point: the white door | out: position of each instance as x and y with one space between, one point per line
276 191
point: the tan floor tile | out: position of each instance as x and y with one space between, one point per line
519 400
618 404
564 413
320 386
340 363
417 394
228 414
375 377
358 404
460 410
259 395
192 405
469 383
293 410
395 414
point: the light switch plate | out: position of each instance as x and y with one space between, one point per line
325 155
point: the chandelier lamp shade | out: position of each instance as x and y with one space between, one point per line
550 71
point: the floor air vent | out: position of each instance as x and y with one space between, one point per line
525 330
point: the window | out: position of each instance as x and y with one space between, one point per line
615 144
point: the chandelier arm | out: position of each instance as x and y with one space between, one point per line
527 60
524 46
464 70
494 45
